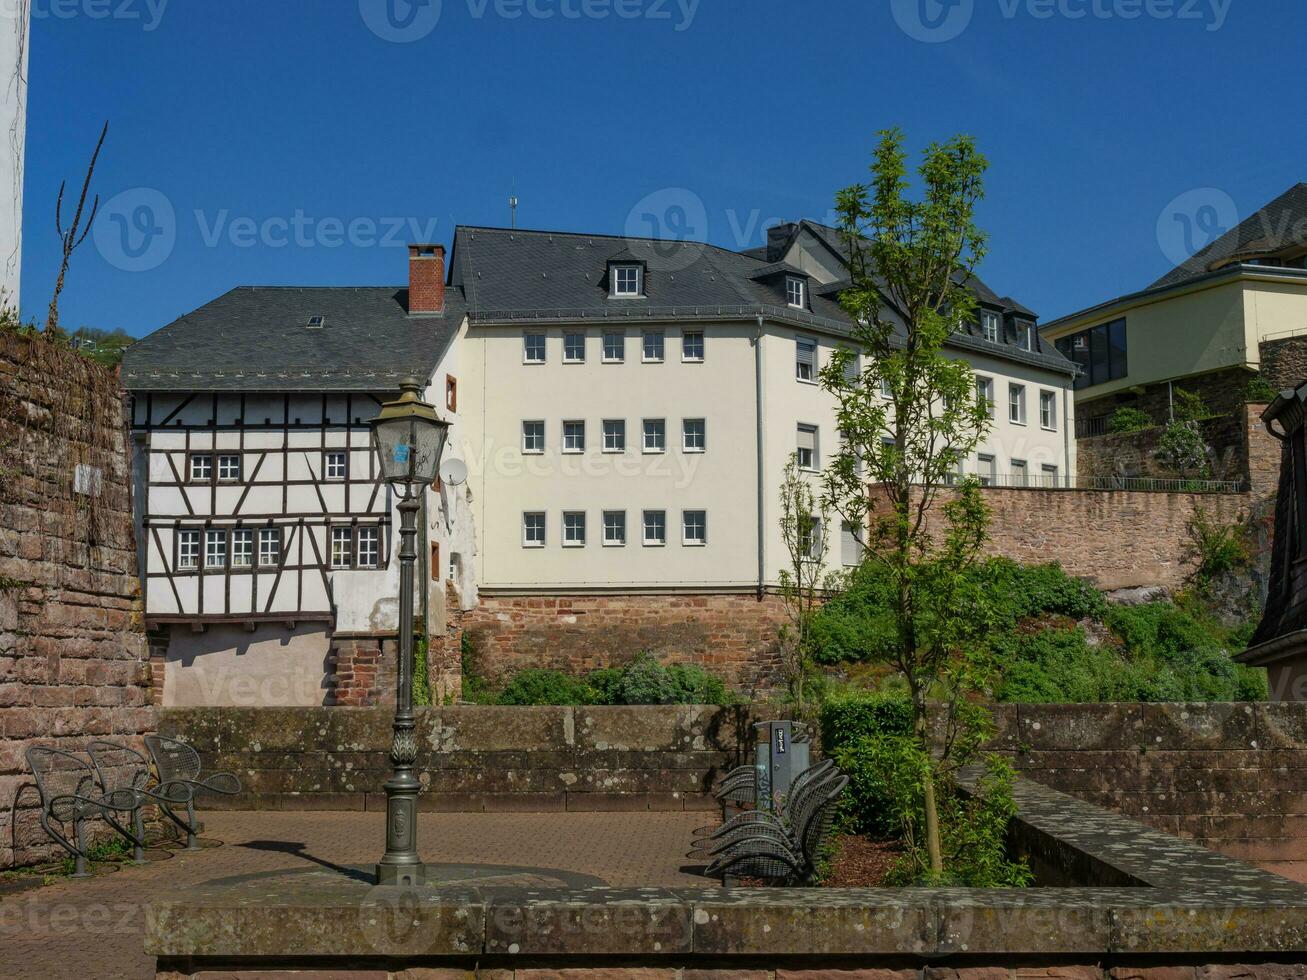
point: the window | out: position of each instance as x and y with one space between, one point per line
1016 404
694 527
796 292
342 547
1048 475
693 435
1048 409
805 359
614 528
1099 352
451 393
655 527
886 389
850 546
1020 473
573 348
188 549
989 326
215 549
201 466
574 437
810 537
242 548
336 466
1025 335
985 470
316 322
614 346
533 348
270 546
653 345
985 394
807 448
229 467
533 437
655 435
533 530
573 529
853 368
626 280
455 565
692 346
369 547
614 435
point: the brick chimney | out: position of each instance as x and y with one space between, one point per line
426 279
778 236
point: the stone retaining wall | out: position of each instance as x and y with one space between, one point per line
471 757
73 662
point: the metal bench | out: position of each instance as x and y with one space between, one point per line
69 794
181 779
121 770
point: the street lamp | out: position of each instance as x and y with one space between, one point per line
410 439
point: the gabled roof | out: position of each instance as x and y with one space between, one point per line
1277 226
256 338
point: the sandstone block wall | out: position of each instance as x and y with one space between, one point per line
1284 362
1233 777
73 661
733 636
471 757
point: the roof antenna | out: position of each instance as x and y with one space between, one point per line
512 205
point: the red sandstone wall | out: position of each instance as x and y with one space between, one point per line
734 636
72 650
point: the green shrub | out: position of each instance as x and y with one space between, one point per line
1127 419
1182 449
1260 390
643 681
539 686
866 733
1217 548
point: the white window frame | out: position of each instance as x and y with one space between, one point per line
702 432
341 534
535 433
886 392
528 347
1048 475
814 462
199 467
573 450
617 428
267 557
214 537
796 292
1016 404
990 326
985 393
229 468
650 427
659 339
1026 335
802 360
620 356
850 546
659 518
986 469
189 546
1023 468
570 355
688 342
614 529
367 541
1048 410
702 525
814 537
242 547
573 521
529 523
628 281
335 464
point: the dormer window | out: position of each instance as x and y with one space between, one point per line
796 292
627 280
989 326
317 322
1025 335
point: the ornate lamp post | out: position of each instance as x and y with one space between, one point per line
410 439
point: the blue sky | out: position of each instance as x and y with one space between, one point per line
305 141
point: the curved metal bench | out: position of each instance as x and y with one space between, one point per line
121 770
181 779
69 793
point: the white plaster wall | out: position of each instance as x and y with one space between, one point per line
226 666
14 34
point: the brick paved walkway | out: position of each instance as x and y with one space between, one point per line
93 928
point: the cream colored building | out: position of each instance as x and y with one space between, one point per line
1198 327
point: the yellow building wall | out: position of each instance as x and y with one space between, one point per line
1271 309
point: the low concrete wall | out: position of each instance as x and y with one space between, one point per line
1232 777
471 757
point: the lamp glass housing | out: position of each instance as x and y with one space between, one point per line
410 439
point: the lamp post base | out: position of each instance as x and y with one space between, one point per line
402 876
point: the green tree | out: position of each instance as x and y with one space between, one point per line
804 527
910 265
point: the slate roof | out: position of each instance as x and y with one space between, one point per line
256 338
1276 226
